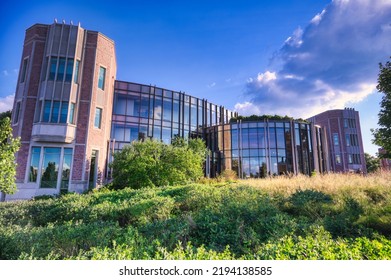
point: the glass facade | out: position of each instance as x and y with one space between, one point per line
258 149
141 111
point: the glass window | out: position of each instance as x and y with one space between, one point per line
193 114
53 67
133 105
76 76
272 137
34 163
64 112
166 135
244 138
119 132
157 114
51 159
167 109
46 111
55 112
253 138
280 137
350 158
98 117
102 77
66 168
17 111
68 74
72 113
186 118
338 159
347 137
335 139
61 69
175 111
345 123
144 106
24 70
120 105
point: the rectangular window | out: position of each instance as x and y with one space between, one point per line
34 163
102 76
17 112
98 117
347 136
53 68
61 69
69 71
66 168
64 112
335 139
76 76
350 158
51 160
55 112
46 111
24 71
338 159
72 114
345 123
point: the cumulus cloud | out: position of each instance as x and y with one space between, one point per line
6 103
247 109
330 63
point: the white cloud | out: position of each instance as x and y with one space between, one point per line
5 73
330 63
247 109
6 103
212 85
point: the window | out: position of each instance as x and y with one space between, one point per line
350 159
69 70
335 139
338 159
61 69
55 112
34 163
102 76
52 69
46 111
51 161
346 123
72 114
348 136
64 112
98 117
76 77
17 112
24 71
66 168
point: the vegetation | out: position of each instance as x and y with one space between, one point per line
383 133
321 217
8 147
152 163
6 114
372 163
265 117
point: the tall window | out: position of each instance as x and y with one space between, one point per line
72 114
24 71
34 163
61 69
335 139
76 76
66 168
98 117
53 68
69 70
102 76
347 139
51 161
338 159
17 112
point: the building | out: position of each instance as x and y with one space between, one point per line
385 163
346 150
72 114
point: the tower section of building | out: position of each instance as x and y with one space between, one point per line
346 151
62 109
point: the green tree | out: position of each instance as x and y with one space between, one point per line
373 163
382 135
152 163
8 147
5 114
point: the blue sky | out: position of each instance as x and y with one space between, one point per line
265 57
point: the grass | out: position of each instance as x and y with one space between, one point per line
333 216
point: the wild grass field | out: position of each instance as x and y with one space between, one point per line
334 216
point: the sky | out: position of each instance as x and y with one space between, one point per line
286 57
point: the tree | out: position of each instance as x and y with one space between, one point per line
152 163
373 163
382 135
8 147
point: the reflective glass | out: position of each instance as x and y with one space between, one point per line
167 109
64 112
66 168
34 163
51 160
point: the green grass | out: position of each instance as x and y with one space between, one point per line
339 217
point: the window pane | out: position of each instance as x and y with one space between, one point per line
72 113
175 111
46 111
102 75
53 67
76 76
120 105
61 69
24 70
51 159
66 168
68 75
167 109
64 112
34 163
98 117
55 112
335 139
158 108
144 106
133 105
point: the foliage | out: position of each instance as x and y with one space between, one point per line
6 114
372 163
265 117
383 133
152 163
216 221
8 147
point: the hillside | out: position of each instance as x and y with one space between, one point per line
322 217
